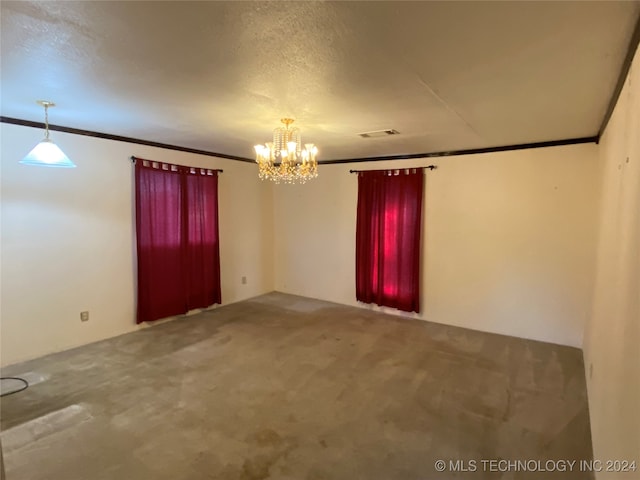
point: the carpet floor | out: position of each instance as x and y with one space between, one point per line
290 388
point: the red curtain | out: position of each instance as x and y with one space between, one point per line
388 231
202 253
177 239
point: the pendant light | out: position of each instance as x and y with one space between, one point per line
46 153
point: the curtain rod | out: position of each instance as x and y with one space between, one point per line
133 160
430 167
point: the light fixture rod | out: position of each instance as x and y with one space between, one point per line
46 121
46 104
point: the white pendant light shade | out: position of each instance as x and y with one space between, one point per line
47 154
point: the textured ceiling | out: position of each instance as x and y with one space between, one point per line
218 76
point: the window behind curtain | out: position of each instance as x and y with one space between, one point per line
177 239
388 229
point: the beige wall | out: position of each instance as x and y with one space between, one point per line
612 337
507 247
67 240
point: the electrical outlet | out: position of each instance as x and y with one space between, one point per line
84 316
244 280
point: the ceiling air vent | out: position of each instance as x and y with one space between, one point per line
379 133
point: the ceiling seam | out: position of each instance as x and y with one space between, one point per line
422 82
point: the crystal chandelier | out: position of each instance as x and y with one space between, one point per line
284 159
